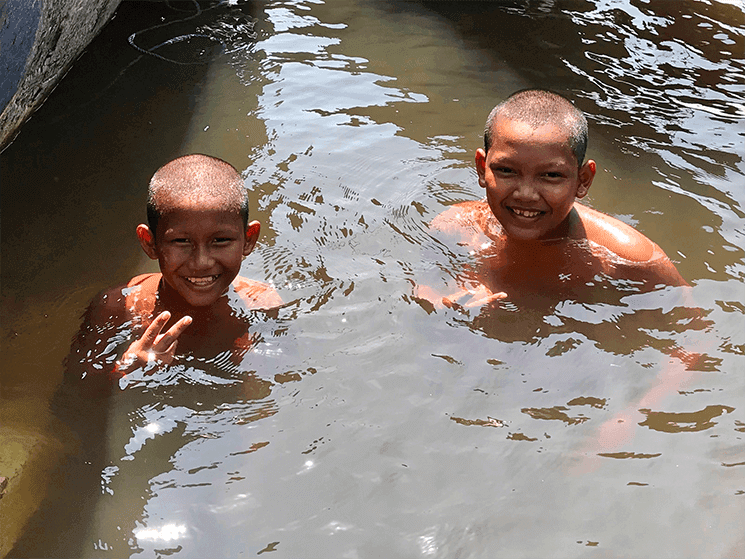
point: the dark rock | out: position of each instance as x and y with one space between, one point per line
39 41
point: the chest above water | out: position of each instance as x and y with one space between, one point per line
544 265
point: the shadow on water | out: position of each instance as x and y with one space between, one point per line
73 184
185 405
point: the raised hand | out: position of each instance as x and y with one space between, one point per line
153 348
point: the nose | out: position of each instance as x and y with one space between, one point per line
202 257
526 191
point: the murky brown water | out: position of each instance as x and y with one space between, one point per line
365 426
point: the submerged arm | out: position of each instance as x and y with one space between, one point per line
619 431
94 349
462 222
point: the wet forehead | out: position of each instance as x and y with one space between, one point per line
198 199
200 215
514 130
516 137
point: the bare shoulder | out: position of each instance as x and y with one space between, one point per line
637 253
116 305
616 236
141 294
472 223
460 215
256 294
106 306
107 309
147 282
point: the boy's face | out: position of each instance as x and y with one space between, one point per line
199 247
531 179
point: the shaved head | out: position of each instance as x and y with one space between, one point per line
197 178
539 107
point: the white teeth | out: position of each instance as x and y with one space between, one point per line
201 282
525 213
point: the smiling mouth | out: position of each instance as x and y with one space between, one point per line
526 213
204 281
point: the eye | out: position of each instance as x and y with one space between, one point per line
554 175
180 241
502 170
223 240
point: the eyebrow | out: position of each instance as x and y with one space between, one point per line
508 160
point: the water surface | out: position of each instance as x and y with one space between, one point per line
366 424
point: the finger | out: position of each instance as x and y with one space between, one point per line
170 352
153 331
450 300
485 300
165 340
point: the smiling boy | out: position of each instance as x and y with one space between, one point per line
198 231
532 235
534 242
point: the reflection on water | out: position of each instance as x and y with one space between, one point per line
367 424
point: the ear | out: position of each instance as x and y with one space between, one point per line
586 174
481 166
252 235
147 240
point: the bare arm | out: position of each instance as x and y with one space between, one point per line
477 296
257 295
106 327
94 349
677 372
463 222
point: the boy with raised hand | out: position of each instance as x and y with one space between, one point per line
198 231
533 235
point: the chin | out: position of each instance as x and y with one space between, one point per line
202 304
525 236
202 301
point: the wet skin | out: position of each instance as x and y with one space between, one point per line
532 234
534 241
199 246
532 179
